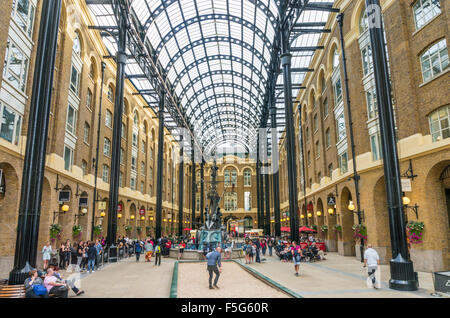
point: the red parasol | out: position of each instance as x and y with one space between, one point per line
306 229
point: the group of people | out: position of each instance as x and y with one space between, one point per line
253 249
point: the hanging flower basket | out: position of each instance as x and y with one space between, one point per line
97 230
414 231
314 227
148 230
76 231
55 232
139 229
128 228
359 231
338 228
324 228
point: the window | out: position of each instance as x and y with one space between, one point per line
439 123
76 48
341 133
143 168
425 10
68 158
247 201
317 150
366 56
376 146
89 99
328 138
309 158
142 187
105 173
16 66
143 146
71 119
91 71
371 98
307 134
120 179
247 177
84 167
150 177
230 201
110 93
233 177
74 80
335 59
226 178
337 91
133 163
23 12
123 132
319 177
122 155
133 183
10 124
325 108
87 130
315 123
108 119
107 147
134 139
330 170
323 83
435 60
150 153
197 202
343 162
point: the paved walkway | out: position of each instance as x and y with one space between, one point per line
337 276
128 279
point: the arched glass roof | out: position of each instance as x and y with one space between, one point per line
216 55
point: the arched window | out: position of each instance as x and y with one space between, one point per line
230 201
440 123
335 59
434 60
226 178
111 93
363 21
247 177
76 45
425 11
135 134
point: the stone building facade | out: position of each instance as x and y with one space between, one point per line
421 107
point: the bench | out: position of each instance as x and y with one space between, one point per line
12 291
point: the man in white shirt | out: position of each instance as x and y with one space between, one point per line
371 260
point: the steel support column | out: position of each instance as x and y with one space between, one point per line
275 170
267 197
180 189
193 185
290 133
258 189
261 189
202 190
356 177
94 199
36 144
159 169
402 271
121 60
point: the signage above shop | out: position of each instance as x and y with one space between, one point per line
102 205
406 185
331 201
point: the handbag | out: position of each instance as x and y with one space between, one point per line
39 290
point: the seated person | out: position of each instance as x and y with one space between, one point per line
54 286
316 251
34 280
69 283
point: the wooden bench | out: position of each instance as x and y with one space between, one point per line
12 291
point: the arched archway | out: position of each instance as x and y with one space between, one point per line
319 219
131 221
8 212
378 221
346 243
67 219
331 220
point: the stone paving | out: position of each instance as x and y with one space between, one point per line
337 276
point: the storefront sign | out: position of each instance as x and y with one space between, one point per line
310 207
406 185
141 211
119 208
102 205
331 201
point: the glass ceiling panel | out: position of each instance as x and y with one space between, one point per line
216 54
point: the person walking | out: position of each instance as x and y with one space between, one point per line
158 254
263 247
257 259
214 260
46 254
296 256
148 250
138 249
270 246
92 255
62 255
371 260
181 249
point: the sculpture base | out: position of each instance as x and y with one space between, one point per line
210 238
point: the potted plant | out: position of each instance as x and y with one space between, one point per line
76 231
338 228
139 229
324 228
414 231
55 232
97 230
359 231
128 229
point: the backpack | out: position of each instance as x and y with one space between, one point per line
158 249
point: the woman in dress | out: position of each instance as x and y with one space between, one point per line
46 254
